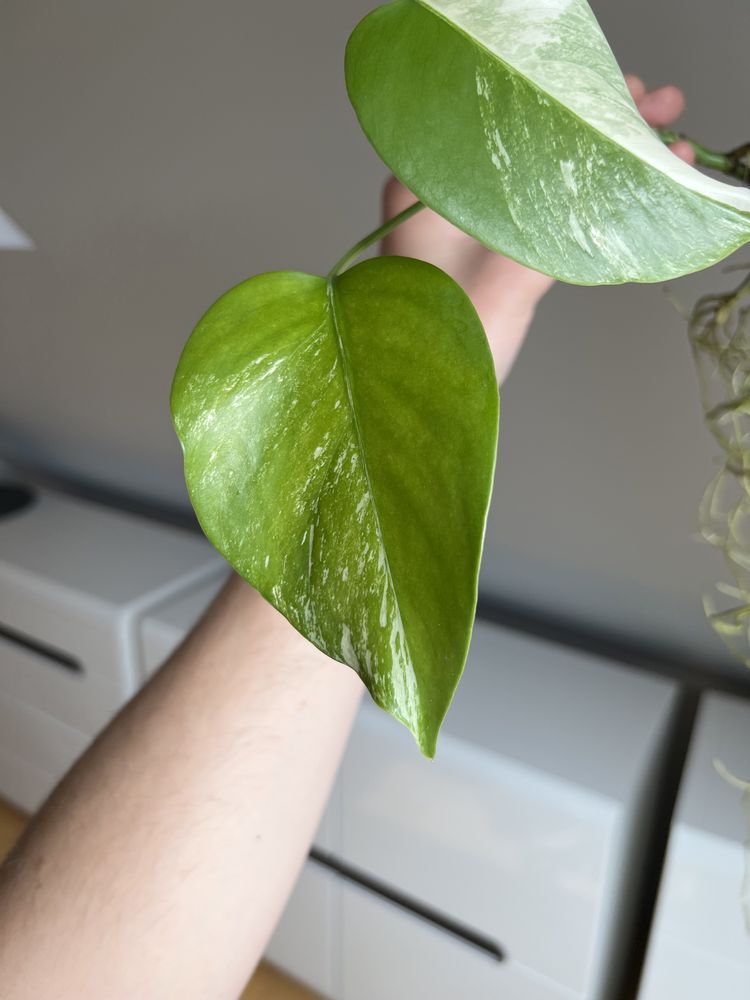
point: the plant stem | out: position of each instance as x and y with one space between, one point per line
735 164
373 237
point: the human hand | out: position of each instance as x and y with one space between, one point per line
505 293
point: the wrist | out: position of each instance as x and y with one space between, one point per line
268 630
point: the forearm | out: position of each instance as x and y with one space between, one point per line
160 864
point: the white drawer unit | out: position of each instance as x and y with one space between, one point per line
700 942
76 580
527 829
306 942
507 868
387 953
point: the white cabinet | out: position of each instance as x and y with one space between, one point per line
700 942
387 953
75 582
305 942
527 827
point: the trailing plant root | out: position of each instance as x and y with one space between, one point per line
719 331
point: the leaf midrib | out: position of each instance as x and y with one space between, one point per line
344 364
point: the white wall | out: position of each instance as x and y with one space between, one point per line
157 153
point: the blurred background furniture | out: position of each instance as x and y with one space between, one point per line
75 583
700 945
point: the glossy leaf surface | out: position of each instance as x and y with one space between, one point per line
512 119
339 443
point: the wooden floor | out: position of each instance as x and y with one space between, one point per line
267 983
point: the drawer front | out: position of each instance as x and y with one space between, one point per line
21 783
518 856
388 953
33 736
302 944
700 942
680 971
703 904
82 700
84 629
700 945
158 641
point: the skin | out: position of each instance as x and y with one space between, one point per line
161 863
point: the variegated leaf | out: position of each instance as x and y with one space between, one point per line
512 119
339 441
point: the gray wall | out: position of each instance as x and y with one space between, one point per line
159 152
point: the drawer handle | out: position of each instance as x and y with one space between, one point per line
56 656
474 938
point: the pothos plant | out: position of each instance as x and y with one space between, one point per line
340 431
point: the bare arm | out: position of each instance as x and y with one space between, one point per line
160 865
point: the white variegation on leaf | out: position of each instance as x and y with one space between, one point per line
339 442
512 119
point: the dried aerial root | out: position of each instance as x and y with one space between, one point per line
720 337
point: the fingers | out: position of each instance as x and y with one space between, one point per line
661 106
636 86
684 150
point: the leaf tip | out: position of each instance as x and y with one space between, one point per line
427 743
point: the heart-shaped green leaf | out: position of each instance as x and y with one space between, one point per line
339 441
511 118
